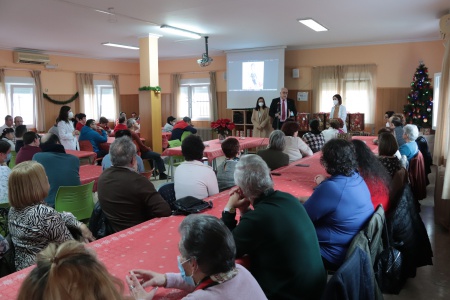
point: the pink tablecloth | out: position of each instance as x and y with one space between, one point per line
89 173
83 154
213 148
165 139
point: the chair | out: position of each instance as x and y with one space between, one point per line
87 146
167 191
76 199
7 263
4 210
185 135
418 176
12 161
176 160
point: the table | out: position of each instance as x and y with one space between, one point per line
89 173
105 146
91 156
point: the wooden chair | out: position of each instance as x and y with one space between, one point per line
76 199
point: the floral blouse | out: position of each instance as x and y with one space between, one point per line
392 164
34 227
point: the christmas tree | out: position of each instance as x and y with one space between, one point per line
420 99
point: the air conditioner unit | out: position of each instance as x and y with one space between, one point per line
31 58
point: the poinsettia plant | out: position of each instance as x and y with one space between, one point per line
223 126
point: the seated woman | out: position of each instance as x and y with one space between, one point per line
8 136
225 172
193 177
5 171
206 263
409 148
277 234
69 271
340 206
168 127
273 155
33 224
314 139
295 146
332 131
374 174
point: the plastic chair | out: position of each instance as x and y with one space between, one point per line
177 159
167 191
76 199
87 146
12 161
185 135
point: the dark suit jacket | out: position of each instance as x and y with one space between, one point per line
275 107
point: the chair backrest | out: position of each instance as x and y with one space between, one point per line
86 146
185 135
167 191
174 143
76 199
12 161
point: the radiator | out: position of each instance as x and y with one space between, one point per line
205 133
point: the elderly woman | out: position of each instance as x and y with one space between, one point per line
277 234
273 155
62 269
206 263
409 148
32 224
314 139
225 171
296 148
340 205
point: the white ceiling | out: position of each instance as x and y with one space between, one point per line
74 28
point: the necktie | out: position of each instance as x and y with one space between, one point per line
283 111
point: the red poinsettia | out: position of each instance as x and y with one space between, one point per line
223 126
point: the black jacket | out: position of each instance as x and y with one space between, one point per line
275 108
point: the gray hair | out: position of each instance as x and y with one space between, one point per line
411 131
252 175
207 239
130 122
122 151
277 141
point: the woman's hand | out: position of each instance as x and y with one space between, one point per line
75 132
137 290
87 234
319 178
150 278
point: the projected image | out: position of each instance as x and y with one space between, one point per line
253 75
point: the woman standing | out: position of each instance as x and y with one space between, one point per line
338 111
261 119
66 132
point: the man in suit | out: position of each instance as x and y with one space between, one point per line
281 109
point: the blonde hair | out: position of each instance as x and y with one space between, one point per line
27 185
70 271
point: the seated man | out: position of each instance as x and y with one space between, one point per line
81 121
103 124
193 177
122 123
18 120
31 142
20 131
89 133
127 198
8 123
62 169
182 126
106 162
225 172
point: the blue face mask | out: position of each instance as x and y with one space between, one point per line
188 279
8 157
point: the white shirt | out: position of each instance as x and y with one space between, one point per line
4 175
193 178
342 115
296 148
329 134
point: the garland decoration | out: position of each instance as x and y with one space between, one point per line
60 102
156 89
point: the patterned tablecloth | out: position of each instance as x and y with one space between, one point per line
153 244
91 156
89 173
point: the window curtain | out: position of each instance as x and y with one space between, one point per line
85 85
4 105
176 82
39 108
326 83
442 137
213 96
116 91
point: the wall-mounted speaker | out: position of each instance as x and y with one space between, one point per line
295 73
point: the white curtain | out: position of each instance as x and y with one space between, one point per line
213 96
4 105
85 85
326 83
442 137
39 108
116 90
176 79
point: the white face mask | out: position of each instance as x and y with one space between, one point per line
335 102
70 115
261 104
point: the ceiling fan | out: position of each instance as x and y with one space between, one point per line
205 60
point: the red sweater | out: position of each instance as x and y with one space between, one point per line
379 193
120 127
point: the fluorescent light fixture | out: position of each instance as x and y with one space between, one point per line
313 25
183 32
120 46
104 12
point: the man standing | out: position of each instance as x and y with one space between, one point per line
126 197
281 109
8 123
31 141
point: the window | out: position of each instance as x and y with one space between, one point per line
195 101
20 99
104 100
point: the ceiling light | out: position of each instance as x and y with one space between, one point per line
182 32
120 46
313 25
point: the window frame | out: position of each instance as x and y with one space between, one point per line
191 84
20 82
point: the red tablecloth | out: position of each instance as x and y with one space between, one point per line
214 149
165 139
83 154
88 173
105 146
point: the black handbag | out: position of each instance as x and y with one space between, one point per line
388 269
190 205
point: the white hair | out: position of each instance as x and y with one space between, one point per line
411 131
252 175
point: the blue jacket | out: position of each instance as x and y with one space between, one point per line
89 134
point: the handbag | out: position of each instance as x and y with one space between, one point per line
388 269
190 205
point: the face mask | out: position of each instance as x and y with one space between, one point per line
260 104
335 102
8 157
188 279
70 115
